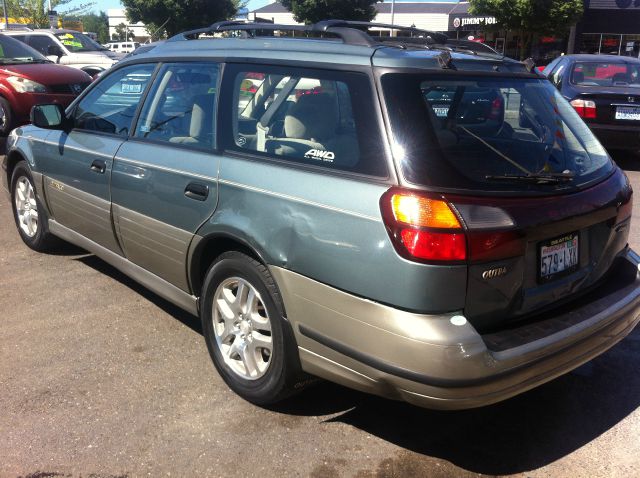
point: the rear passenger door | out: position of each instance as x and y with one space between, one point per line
164 182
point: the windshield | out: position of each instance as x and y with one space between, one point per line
591 73
490 134
78 42
14 51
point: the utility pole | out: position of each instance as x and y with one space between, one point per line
6 14
393 9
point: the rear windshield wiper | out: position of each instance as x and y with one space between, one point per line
542 178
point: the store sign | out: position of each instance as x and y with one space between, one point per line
468 22
614 4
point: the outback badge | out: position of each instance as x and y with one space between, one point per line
493 273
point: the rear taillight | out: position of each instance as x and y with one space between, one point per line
431 228
585 108
423 227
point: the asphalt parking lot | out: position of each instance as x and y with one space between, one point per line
101 378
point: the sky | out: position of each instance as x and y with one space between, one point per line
253 4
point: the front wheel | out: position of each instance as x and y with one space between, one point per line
31 218
250 342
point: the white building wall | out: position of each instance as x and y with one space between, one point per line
433 21
118 16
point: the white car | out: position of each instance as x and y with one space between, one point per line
68 47
122 47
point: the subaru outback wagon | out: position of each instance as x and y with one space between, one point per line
399 215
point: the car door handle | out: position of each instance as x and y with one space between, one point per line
99 166
197 191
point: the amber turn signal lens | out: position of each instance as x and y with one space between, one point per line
423 212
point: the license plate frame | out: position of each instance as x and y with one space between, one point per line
558 245
627 113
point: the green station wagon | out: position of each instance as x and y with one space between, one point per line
401 215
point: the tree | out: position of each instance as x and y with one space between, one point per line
35 12
180 15
122 33
530 17
312 11
97 23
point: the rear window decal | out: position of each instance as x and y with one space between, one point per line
327 156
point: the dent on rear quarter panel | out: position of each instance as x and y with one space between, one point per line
330 229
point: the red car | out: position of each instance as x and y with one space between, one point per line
27 78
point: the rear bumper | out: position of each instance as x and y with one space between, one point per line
436 362
623 137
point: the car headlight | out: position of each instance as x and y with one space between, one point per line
23 85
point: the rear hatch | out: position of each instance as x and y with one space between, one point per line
543 210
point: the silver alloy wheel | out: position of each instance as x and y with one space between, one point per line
26 206
3 117
242 328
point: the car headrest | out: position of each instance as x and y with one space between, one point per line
578 77
313 117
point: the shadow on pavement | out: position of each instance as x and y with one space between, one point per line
99 265
521 434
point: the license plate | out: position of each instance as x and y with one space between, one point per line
628 113
131 88
558 256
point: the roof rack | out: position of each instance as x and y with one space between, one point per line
350 32
350 36
435 36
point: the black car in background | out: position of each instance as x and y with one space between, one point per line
605 91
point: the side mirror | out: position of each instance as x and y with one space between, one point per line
50 116
55 50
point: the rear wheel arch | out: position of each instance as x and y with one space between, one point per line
209 249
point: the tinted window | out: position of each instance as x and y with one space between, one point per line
41 43
605 74
110 106
322 119
181 107
78 42
474 133
14 51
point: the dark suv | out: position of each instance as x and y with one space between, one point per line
400 215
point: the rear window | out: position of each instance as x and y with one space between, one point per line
605 74
490 134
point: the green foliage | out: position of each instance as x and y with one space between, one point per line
122 33
35 12
312 11
180 15
97 23
529 17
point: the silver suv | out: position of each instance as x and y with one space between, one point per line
400 215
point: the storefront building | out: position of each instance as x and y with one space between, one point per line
609 27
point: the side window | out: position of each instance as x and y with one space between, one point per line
181 106
111 105
41 43
323 119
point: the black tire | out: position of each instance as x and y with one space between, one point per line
6 117
283 375
41 240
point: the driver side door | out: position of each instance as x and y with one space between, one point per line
77 163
